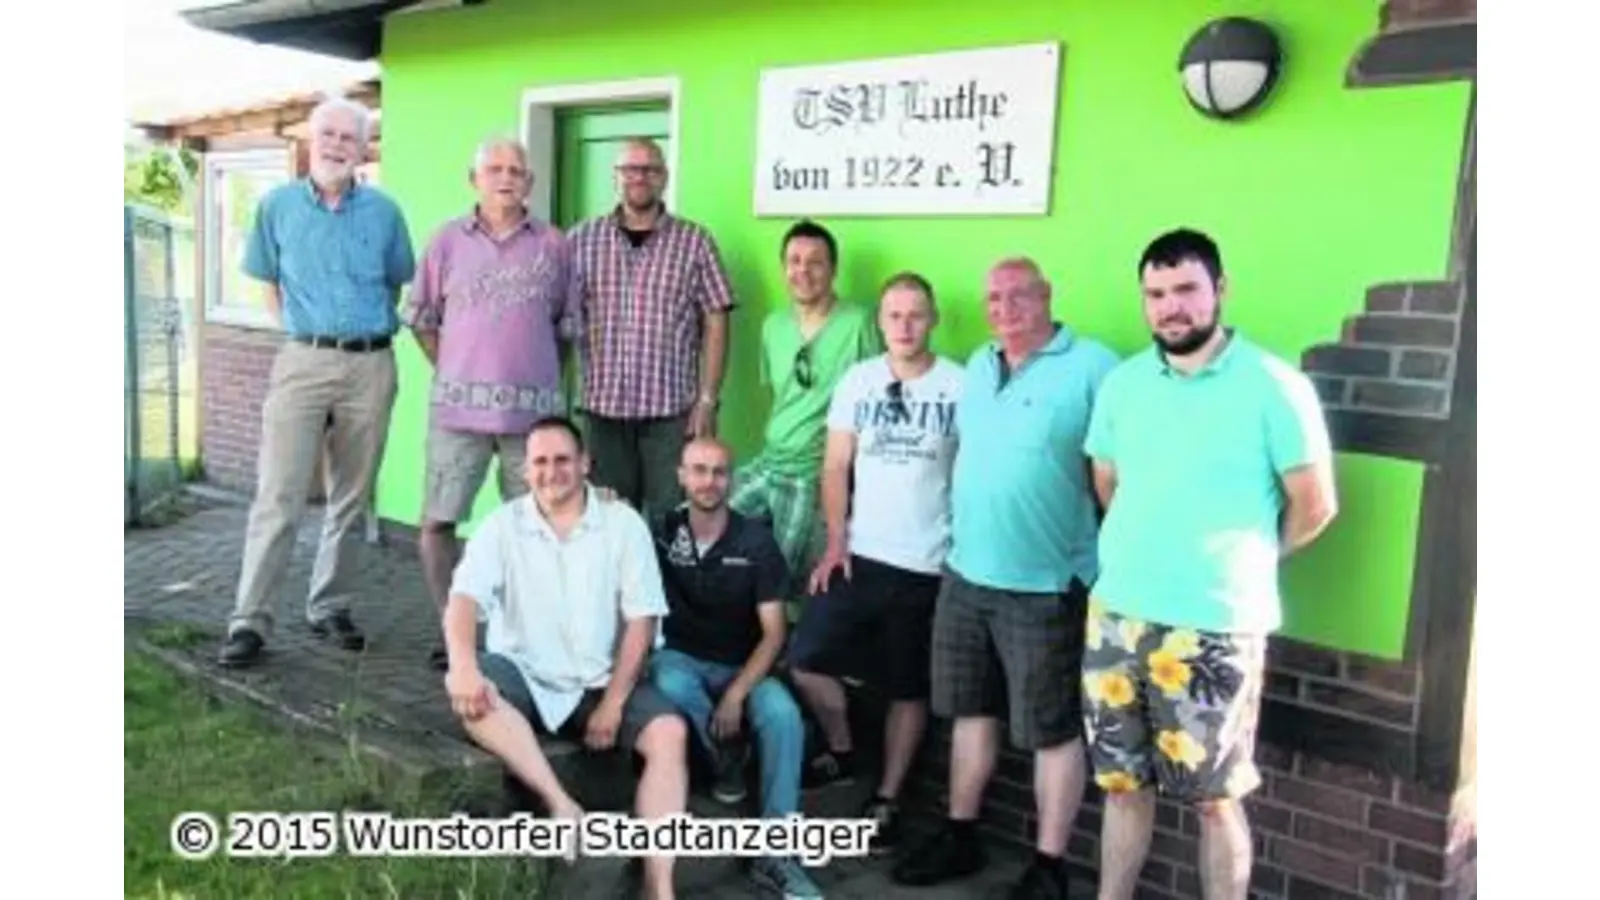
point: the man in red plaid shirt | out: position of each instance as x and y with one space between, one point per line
655 305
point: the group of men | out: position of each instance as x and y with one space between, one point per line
1083 548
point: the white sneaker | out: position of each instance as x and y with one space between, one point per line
784 876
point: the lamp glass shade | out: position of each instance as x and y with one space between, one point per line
1230 86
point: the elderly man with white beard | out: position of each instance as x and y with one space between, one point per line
333 255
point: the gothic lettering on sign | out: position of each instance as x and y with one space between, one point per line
840 105
995 162
967 102
921 105
968 131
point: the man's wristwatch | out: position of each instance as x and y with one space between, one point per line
706 400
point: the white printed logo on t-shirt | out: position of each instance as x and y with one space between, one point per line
900 513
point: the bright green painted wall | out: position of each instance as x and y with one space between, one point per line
1324 192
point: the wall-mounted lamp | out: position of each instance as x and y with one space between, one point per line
1230 66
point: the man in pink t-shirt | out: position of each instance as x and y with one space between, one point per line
494 311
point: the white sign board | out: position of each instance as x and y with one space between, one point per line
970 132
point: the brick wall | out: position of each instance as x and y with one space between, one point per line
235 364
1323 830
1397 356
233 386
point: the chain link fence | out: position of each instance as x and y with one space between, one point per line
160 336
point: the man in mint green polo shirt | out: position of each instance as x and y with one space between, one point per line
1008 622
1213 461
805 349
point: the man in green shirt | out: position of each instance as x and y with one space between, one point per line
805 350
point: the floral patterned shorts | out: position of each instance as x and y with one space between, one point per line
1171 707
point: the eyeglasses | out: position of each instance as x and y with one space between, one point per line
638 171
802 368
897 401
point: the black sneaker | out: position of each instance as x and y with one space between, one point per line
242 648
1043 880
827 769
887 814
946 856
339 627
729 787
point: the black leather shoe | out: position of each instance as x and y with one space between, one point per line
887 814
946 856
339 627
242 648
1042 881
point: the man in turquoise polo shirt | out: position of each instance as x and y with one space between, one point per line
805 349
1008 623
1213 461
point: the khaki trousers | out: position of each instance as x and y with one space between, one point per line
308 384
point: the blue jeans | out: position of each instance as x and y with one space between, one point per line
691 684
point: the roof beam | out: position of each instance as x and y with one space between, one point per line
346 29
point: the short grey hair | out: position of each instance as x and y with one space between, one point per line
492 144
357 111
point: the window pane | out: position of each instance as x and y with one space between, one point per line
238 192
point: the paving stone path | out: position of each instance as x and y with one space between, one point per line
179 580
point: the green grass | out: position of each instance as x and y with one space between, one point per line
183 750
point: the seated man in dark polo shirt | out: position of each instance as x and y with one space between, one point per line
724 579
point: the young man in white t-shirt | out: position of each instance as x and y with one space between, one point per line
891 431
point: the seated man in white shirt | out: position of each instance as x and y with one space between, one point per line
568 585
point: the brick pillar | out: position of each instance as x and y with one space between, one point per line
1395 357
1398 15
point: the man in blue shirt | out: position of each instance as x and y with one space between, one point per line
1213 461
1008 622
333 255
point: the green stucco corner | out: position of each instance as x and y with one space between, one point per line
1323 192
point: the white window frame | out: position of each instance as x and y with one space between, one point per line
539 107
277 161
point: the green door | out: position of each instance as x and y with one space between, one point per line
588 141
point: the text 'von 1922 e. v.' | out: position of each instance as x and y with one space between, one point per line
970 132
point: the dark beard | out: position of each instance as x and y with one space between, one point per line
1195 339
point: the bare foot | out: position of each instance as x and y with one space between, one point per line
570 811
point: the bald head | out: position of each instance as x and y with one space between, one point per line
705 447
1017 301
634 147
703 471
641 174
1021 270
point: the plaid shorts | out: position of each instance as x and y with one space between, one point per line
788 505
1172 707
997 652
